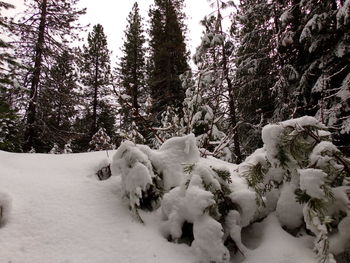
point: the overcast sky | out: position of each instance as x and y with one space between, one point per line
112 15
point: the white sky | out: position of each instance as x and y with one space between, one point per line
112 15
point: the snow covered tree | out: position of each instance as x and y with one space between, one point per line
55 149
67 148
44 30
313 42
215 77
255 57
310 176
100 141
168 56
10 129
132 72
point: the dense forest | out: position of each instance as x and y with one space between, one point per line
266 95
277 60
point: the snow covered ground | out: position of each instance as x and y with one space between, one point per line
62 213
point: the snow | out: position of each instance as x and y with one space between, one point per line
62 213
207 242
269 243
311 180
289 212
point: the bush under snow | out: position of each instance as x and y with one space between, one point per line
298 173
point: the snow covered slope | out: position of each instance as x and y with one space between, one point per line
62 213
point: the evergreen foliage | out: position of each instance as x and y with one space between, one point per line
168 56
132 73
44 30
100 141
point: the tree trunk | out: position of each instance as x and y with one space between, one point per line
31 132
94 111
232 106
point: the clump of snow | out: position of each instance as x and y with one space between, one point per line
135 169
5 208
341 240
171 157
312 180
321 154
343 15
289 212
208 235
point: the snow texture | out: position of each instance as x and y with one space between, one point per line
312 180
289 212
61 212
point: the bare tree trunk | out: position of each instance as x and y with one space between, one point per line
232 106
95 102
31 133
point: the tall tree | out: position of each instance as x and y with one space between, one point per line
315 62
60 99
44 30
168 56
96 76
255 68
132 71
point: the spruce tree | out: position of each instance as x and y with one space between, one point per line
132 72
168 56
45 30
96 76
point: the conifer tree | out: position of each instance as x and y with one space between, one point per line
6 58
100 141
60 100
314 75
168 56
96 76
132 72
45 29
255 61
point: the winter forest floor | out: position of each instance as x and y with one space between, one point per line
61 212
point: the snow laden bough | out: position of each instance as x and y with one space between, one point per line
199 204
305 178
299 174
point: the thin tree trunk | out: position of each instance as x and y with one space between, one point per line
94 112
31 133
232 106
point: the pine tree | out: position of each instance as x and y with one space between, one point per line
255 61
100 141
6 58
10 130
132 72
213 61
60 100
313 46
45 29
168 56
96 75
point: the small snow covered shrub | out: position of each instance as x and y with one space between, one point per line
302 175
205 200
55 149
5 208
139 181
100 141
